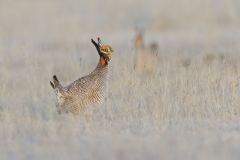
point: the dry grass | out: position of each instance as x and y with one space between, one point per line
187 109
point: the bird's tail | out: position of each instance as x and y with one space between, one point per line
55 83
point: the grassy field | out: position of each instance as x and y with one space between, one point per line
187 108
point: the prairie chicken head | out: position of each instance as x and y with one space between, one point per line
104 51
139 40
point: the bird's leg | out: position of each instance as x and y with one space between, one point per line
75 120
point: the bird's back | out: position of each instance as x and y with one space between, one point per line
85 91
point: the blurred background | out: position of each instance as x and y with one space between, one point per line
173 89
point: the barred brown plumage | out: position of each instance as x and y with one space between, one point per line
87 90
